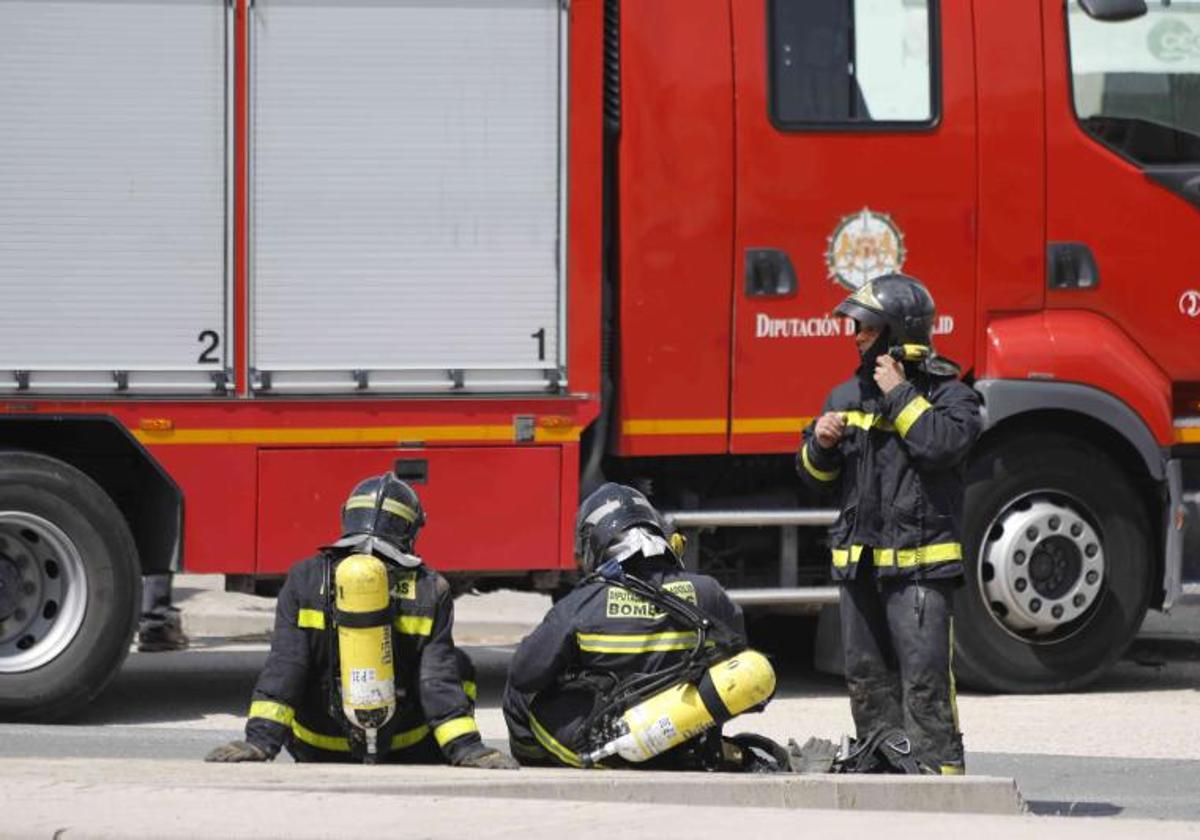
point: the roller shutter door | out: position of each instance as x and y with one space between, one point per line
113 181
406 195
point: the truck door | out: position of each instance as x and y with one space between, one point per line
1123 156
855 156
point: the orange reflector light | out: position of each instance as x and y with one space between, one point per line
554 421
156 424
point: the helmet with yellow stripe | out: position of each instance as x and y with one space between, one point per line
895 303
382 515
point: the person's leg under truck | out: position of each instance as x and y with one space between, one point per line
156 599
872 678
920 617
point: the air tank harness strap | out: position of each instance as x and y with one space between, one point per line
375 618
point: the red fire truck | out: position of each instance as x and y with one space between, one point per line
254 251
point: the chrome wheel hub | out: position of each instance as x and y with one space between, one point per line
1041 565
43 591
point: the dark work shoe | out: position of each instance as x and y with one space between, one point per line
161 637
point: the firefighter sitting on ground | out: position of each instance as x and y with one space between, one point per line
363 665
891 442
638 660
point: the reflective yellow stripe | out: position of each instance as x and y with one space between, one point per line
470 689
312 619
277 712
634 643
909 414
455 728
843 557
819 475
390 505
406 739
323 742
922 555
414 625
400 509
355 502
551 744
857 419
952 770
335 743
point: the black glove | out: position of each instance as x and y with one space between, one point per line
486 758
237 751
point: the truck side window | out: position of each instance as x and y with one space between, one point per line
1136 83
852 63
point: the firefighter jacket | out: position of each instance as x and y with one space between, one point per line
292 698
898 471
602 628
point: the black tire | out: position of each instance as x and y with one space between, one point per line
991 657
49 491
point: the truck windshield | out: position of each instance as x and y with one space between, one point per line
1137 83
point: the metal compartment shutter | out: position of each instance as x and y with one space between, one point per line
406 195
112 194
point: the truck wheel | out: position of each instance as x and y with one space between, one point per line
69 588
1059 565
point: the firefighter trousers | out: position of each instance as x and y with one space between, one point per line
897 638
546 729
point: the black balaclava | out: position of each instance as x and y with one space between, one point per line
866 367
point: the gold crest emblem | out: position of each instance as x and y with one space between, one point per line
863 246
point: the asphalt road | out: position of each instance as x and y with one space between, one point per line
178 705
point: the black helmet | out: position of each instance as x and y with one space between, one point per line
617 522
382 515
895 301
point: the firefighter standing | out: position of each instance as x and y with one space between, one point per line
602 633
892 441
299 699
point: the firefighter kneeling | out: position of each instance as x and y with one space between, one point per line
641 663
363 666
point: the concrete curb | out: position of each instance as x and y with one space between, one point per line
962 794
970 795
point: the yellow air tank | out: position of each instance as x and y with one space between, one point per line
683 711
368 676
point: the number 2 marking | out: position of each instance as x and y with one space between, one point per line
206 355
